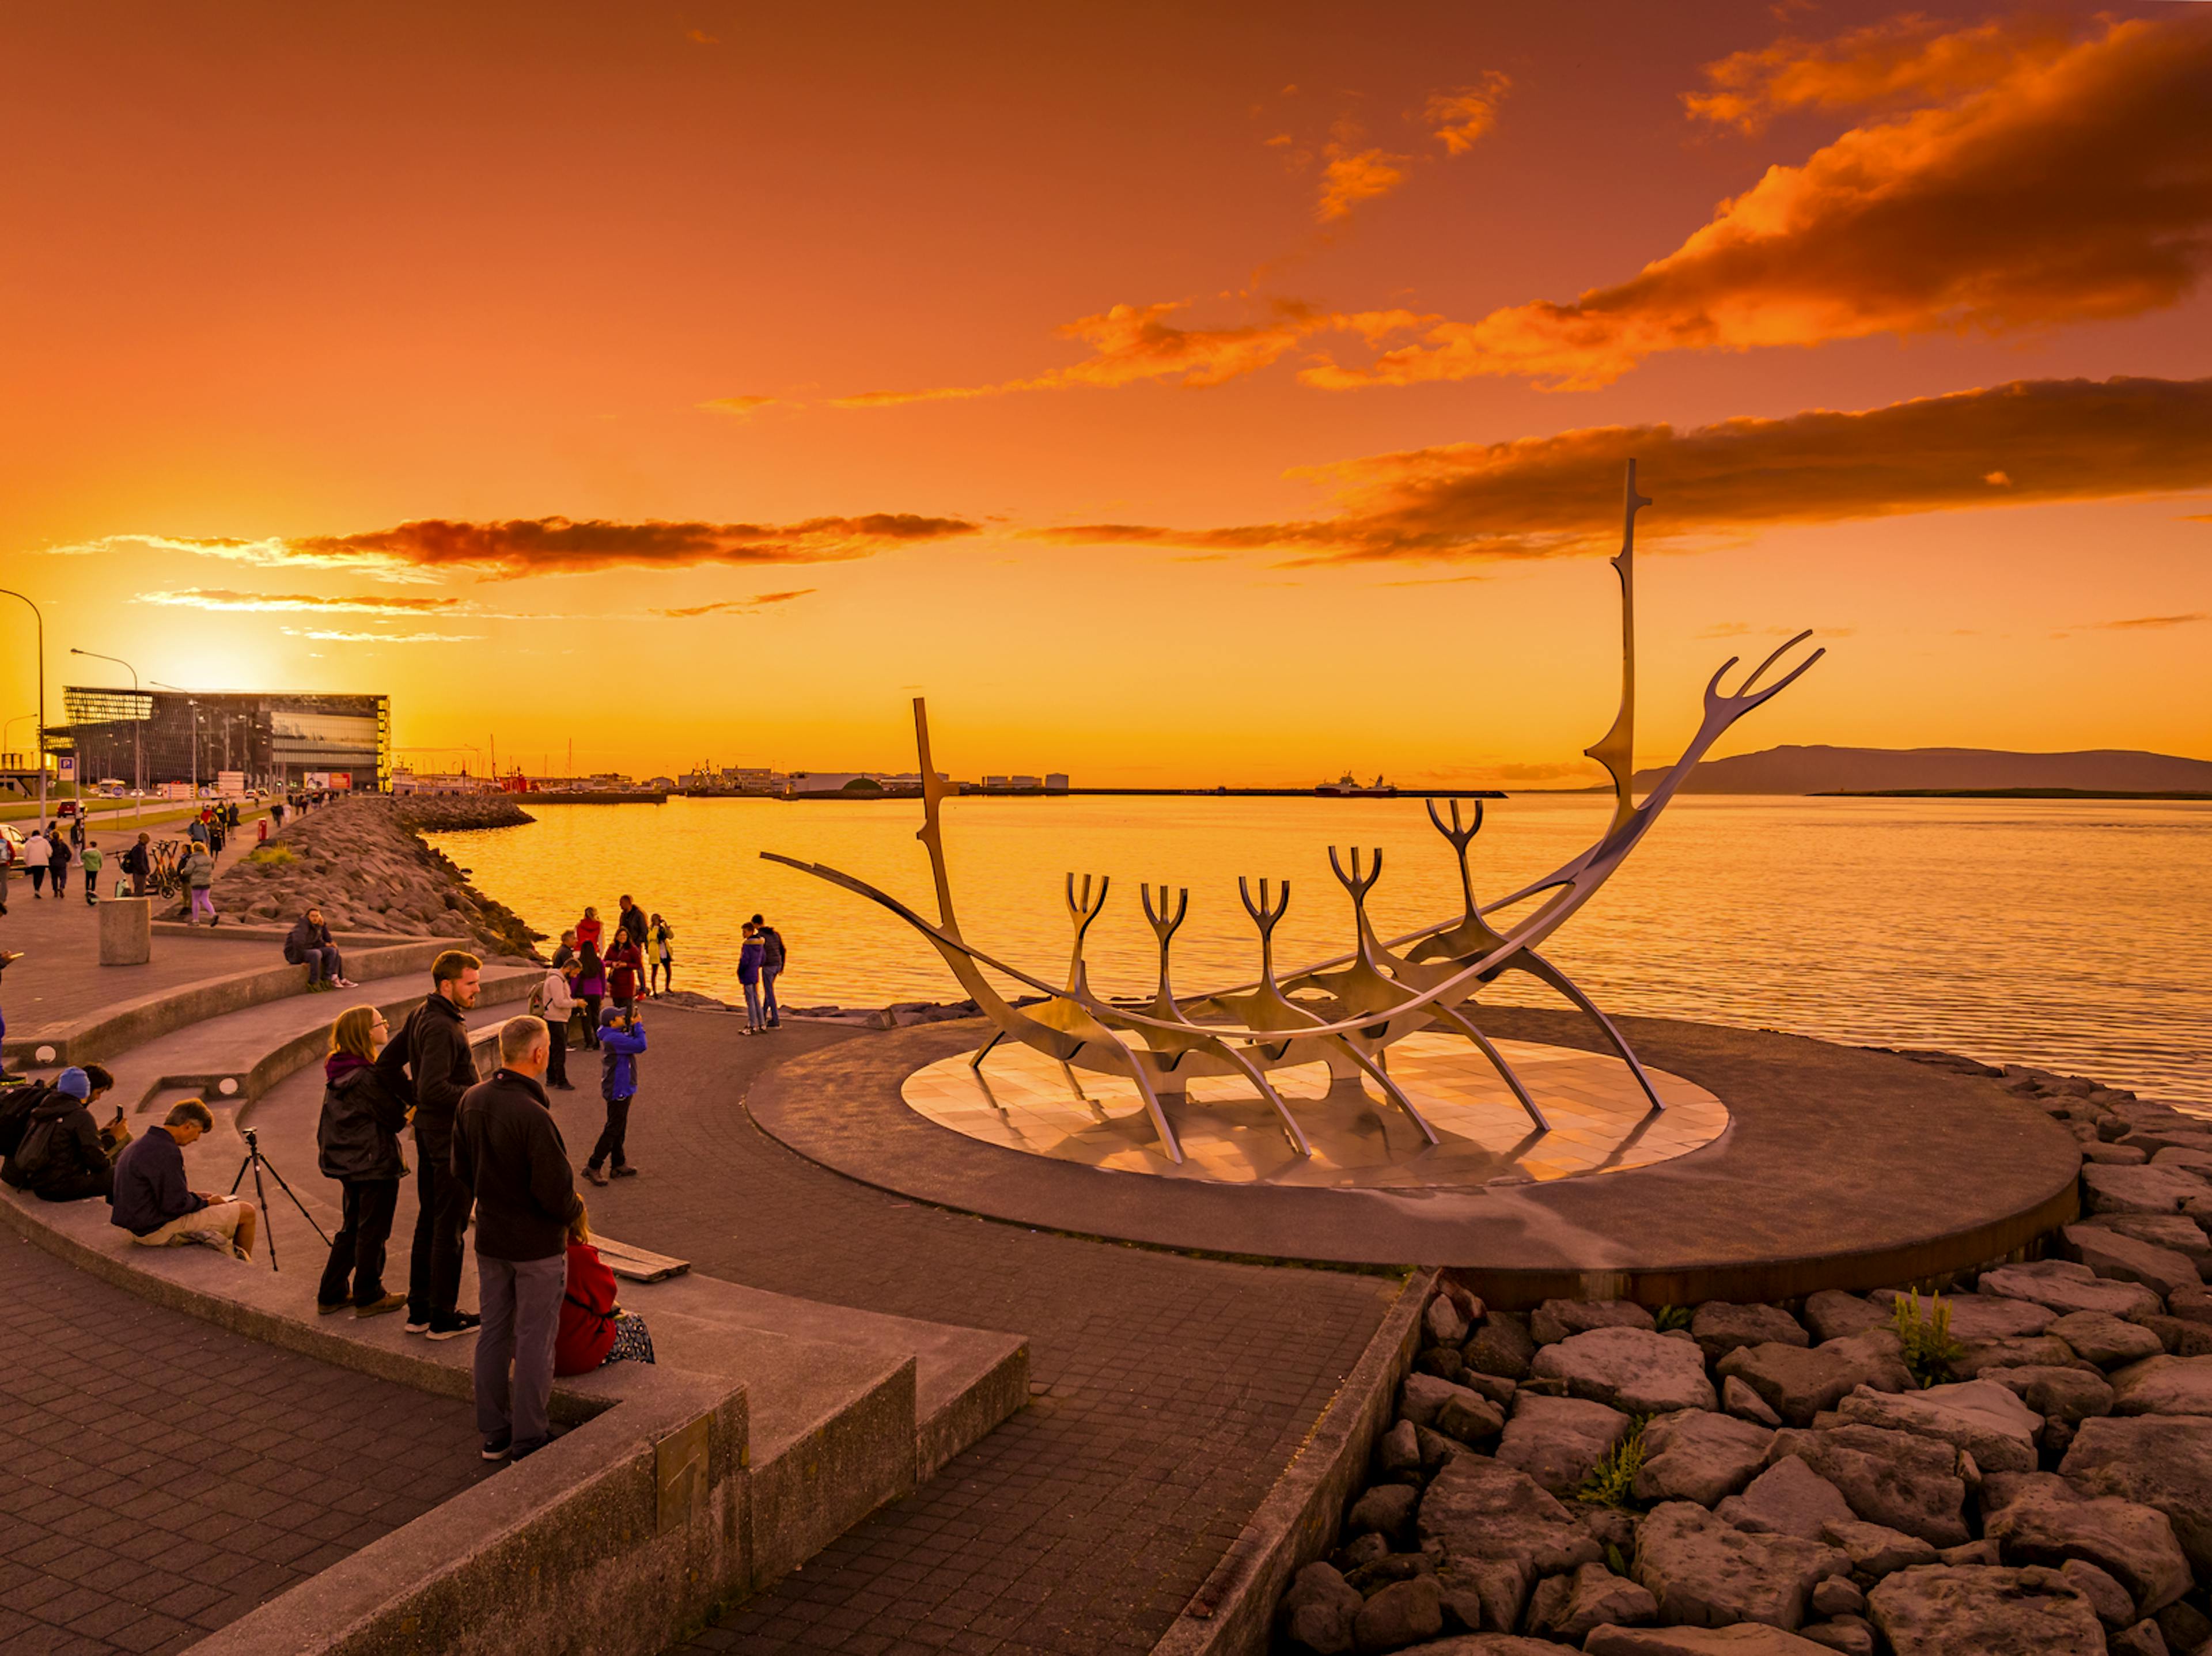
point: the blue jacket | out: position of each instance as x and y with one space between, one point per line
749 960
618 1051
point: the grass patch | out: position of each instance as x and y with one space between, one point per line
1671 1316
1925 1334
276 856
1612 1482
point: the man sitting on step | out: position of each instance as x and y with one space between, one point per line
62 1154
309 944
155 1204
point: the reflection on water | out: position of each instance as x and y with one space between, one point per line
2066 933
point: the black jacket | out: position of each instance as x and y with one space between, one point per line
135 860
358 1136
508 1153
302 938
62 1141
16 1107
428 1064
633 924
771 949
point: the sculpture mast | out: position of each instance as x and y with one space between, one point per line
1616 748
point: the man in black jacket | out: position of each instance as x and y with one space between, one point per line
428 1061
308 944
509 1154
62 1155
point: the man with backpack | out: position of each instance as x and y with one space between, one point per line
63 1155
138 863
771 968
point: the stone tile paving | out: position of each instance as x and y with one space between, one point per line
1176 1389
161 1476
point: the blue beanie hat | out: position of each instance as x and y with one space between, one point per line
74 1082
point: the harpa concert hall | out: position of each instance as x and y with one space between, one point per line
277 738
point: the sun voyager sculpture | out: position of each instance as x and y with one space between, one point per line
1347 1011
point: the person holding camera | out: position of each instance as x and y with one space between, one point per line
357 1143
622 1039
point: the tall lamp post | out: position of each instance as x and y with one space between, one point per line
41 743
138 745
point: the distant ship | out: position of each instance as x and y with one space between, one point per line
1344 786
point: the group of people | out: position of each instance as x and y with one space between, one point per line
47 854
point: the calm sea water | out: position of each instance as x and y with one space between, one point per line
2070 934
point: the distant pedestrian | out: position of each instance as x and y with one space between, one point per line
590 930
661 976
76 831
595 1330
198 831
749 955
591 988
428 1062
771 969
92 861
138 863
565 951
632 924
555 1001
625 972
357 1143
38 853
621 1039
199 880
507 1151
8 857
58 863
276 810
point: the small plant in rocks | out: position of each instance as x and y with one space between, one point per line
275 855
1925 1334
1612 1481
1671 1316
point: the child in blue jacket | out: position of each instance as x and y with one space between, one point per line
621 1038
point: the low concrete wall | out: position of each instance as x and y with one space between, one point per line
1231 1613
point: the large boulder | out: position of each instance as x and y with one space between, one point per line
1570 1606
2117 1257
1977 1357
1719 1327
2098 1337
1557 1319
1978 1316
1631 1369
1744 1639
2164 1386
1386 1509
1443 1321
1833 1314
2177 1231
1557 1441
1788 1498
2070 1395
1502 1346
1708 1574
2151 1189
1797 1384
2157 1460
1942 1609
1316 1614
1499 1530
1980 1417
1876 1549
2066 1287
1427 1400
1900 1480
1693 1455
2039 1519
1404 1613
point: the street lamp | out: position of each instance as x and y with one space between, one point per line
41 744
138 724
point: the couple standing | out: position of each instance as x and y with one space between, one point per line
760 963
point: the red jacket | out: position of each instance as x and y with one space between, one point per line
587 1313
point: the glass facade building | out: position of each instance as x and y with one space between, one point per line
277 738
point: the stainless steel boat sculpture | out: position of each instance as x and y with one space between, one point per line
1344 1012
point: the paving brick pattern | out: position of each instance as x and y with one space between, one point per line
1175 1389
161 1476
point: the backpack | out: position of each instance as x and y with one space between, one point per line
38 1144
16 1115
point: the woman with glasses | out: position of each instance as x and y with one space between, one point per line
357 1143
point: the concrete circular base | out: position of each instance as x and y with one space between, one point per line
1841 1168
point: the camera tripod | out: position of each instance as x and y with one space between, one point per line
255 1159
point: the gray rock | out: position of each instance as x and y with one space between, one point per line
2158 1460
1631 1369
2179 1337
1719 1327
1444 1362
2192 1304
1852 1635
1898 1479
1706 1572
2144 1639
2187 1629
1979 1316
2184 1158
1484 1644
1404 1613
1979 1358
2164 1386
1317 1612
1569 1607
1371 1579
2039 1519
1797 1384
2114 1604
1423 1398
1838 1596
1436 1448
2177 1231
1443 1321
1739 1400
2118 1155
1557 1320
2106 1340
1556 1440
1977 1553
1940 1611
1833 1315
1980 1417
1360 1550
1399 1449
1502 1346
1875 1549
1788 1498
2066 1287
2116 1258
1470 1420
1386 1510
2151 1189
1693 1455
1744 1639
1496 1387
1500 1530
2061 1394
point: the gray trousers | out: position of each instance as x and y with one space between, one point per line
521 1302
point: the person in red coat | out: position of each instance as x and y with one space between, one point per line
594 1329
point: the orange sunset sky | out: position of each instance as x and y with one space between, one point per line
1174 394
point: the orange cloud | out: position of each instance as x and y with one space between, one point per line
1130 343
2061 439
207 598
1458 118
2074 187
334 637
1354 176
737 606
2141 621
741 407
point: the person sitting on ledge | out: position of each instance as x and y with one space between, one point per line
62 1155
155 1204
595 1330
308 944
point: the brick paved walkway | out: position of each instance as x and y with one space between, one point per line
1176 1390
161 1476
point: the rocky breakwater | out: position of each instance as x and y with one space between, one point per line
361 862
2023 1464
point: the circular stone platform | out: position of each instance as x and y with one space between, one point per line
1599 1119
1841 1168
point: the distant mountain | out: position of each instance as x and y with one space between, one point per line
1859 770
